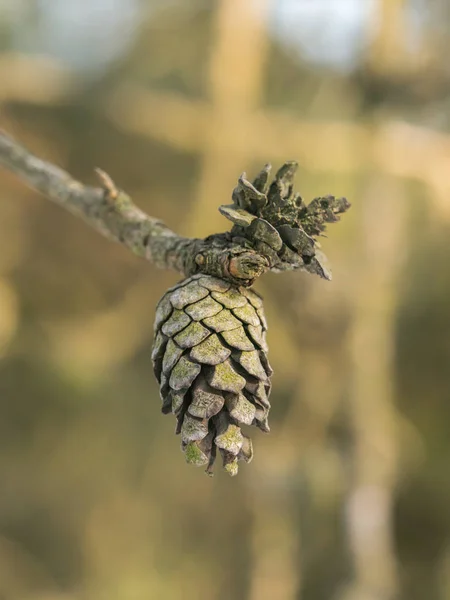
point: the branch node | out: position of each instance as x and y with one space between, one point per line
108 185
247 266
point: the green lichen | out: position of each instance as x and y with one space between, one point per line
194 456
207 307
187 294
210 352
183 374
225 378
247 314
240 409
232 468
252 364
238 339
192 335
171 356
230 440
122 202
176 323
223 321
230 299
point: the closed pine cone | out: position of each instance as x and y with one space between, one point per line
210 359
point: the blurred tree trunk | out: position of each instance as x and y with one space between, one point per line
235 77
274 546
388 52
373 460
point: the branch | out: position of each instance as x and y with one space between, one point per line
112 213
272 227
108 210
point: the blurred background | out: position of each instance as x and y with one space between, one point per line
348 498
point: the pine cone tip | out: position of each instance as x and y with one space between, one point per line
278 224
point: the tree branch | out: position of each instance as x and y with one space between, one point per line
273 229
107 209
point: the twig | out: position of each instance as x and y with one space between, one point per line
112 213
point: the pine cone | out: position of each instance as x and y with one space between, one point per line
210 358
278 224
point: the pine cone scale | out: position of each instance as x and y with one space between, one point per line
163 312
177 321
187 294
251 362
210 352
206 402
224 377
193 429
159 346
257 335
230 299
192 335
238 339
177 400
213 284
171 356
208 307
183 374
247 314
240 409
223 321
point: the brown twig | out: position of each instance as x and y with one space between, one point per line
112 213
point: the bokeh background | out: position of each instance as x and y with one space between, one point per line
349 497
